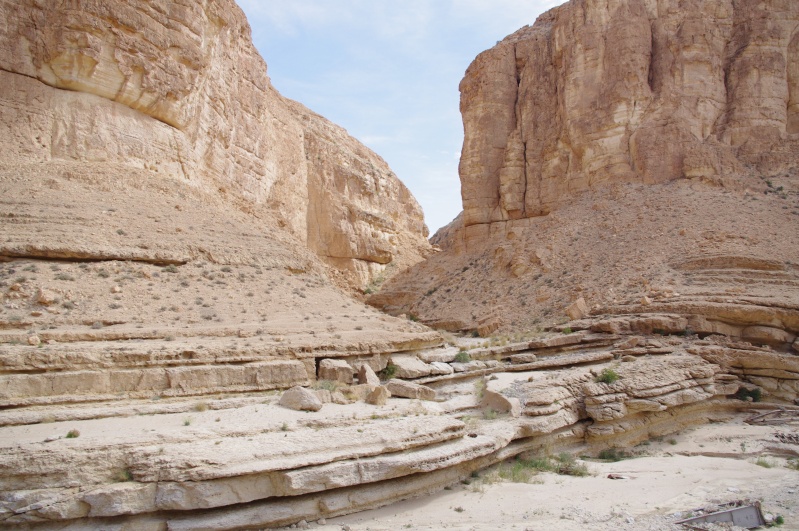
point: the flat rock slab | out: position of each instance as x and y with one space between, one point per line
409 366
402 389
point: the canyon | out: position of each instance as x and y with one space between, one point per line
186 259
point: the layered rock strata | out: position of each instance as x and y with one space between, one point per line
179 90
238 462
626 91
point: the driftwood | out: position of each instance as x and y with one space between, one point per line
775 416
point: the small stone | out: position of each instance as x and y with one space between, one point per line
46 297
646 301
116 289
34 340
36 314
321 521
302 524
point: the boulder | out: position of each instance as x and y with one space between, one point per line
366 375
409 366
578 310
335 370
300 399
378 396
403 389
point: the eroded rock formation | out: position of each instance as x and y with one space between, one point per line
611 147
626 91
178 89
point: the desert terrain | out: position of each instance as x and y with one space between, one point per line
220 311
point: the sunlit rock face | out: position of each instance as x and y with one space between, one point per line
626 91
179 89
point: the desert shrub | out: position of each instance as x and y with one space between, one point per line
463 357
567 330
745 394
612 454
607 376
388 373
764 462
566 465
73 434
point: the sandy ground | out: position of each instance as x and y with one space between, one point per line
708 465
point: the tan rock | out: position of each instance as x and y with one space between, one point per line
366 375
46 296
301 399
378 396
409 366
335 370
441 368
578 309
403 389
121 499
174 88
630 342
34 340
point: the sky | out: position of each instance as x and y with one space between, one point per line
388 72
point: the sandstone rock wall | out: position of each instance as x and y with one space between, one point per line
627 91
178 88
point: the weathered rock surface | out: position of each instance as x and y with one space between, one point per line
626 91
401 388
186 96
631 154
300 399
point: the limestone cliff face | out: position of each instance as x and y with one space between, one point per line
627 91
179 89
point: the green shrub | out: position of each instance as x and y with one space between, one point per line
73 434
567 330
388 373
612 454
743 394
607 376
463 357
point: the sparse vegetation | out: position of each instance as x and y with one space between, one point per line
613 454
607 376
122 476
73 434
463 357
749 395
523 470
764 462
187 421
388 373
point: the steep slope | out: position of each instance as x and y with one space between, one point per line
639 155
178 89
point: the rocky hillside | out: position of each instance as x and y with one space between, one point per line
639 156
178 90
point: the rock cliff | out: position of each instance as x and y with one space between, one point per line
627 91
609 148
178 89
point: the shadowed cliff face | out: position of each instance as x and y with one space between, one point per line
177 88
626 91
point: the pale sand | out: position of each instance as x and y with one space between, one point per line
671 479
